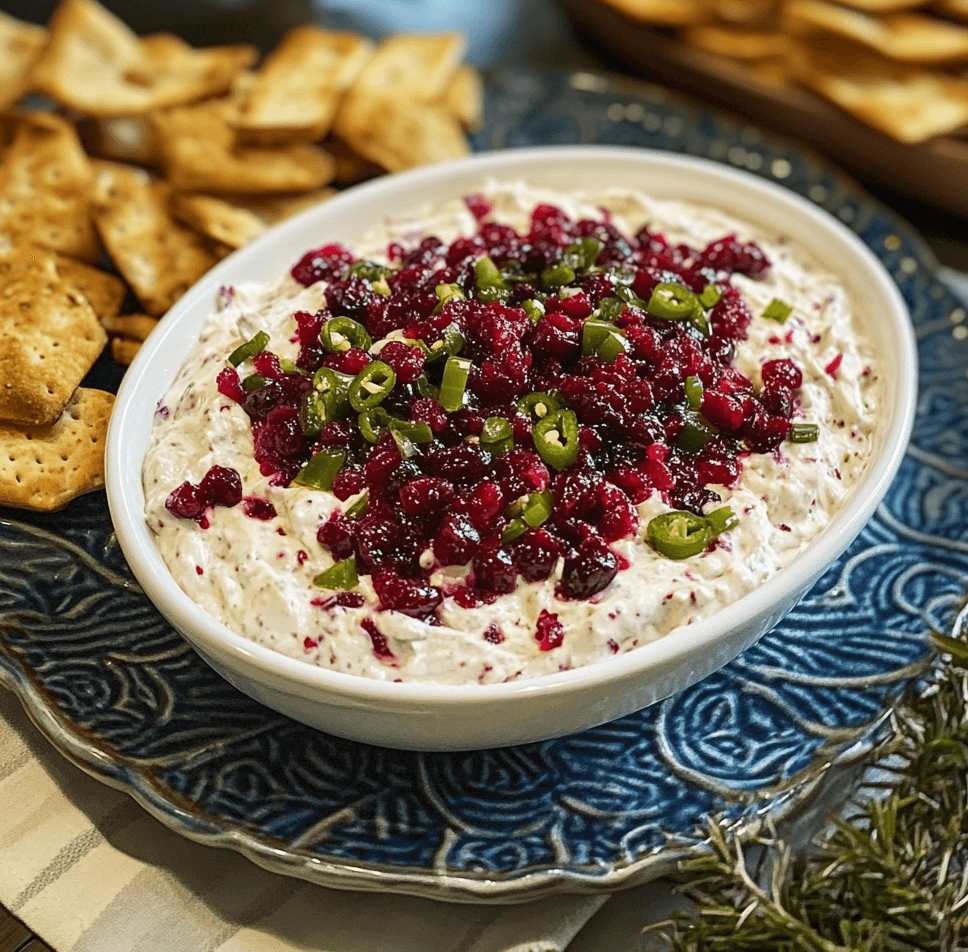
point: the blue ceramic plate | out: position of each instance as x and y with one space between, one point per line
121 694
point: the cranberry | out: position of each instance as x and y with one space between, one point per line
589 569
781 374
325 263
408 596
457 539
549 631
336 533
536 554
493 568
425 496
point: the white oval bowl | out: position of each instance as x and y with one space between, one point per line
443 717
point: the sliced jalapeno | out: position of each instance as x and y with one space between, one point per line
371 386
555 438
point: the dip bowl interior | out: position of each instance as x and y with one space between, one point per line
434 717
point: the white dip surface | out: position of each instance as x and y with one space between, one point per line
257 577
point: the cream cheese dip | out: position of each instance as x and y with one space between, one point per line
700 416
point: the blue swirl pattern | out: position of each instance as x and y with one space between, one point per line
118 690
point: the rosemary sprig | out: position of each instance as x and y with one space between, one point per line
889 876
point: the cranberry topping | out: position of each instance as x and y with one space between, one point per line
440 480
220 486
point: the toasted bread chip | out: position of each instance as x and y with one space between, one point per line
296 92
45 467
159 258
20 44
739 43
887 6
104 292
121 139
663 12
271 209
411 67
351 167
908 104
400 135
956 9
135 327
217 219
464 97
49 338
201 155
905 37
745 12
45 180
95 64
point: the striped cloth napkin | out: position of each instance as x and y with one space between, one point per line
89 870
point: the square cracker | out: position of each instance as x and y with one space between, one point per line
295 93
105 292
49 338
399 135
20 44
98 66
45 467
201 154
216 218
159 258
45 181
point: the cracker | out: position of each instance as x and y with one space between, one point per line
956 9
739 43
905 37
886 6
217 219
96 65
159 258
49 338
135 327
20 44
200 154
105 292
45 467
296 91
411 67
399 135
663 12
45 180
351 167
464 97
122 139
908 104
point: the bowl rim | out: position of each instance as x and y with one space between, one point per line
126 498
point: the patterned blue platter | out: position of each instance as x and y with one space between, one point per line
119 692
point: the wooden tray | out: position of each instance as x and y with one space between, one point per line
935 172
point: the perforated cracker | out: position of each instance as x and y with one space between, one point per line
49 338
45 181
45 467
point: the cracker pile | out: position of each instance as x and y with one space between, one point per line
899 66
130 165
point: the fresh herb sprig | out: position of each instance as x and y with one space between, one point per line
890 877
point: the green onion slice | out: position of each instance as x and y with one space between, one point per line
415 430
453 385
488 276
312 413
358 509
253 382
371 385
450 344
320 471
679 534
710 296
582 254
610 308
534 309
694 391
425 388
333 386
557 276
537 508
694 435
513 530
497 436
249 349
721 520
593 334
777 310
555 438
342 333
614 344
341 575
804 433
373 423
